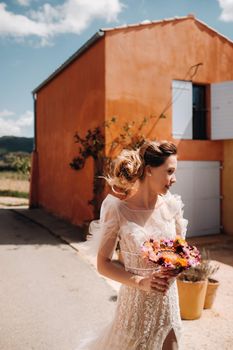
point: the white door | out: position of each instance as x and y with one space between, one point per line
198 183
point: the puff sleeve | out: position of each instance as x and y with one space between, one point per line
104 232
174 211
181 223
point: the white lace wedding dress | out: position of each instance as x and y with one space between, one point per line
142 319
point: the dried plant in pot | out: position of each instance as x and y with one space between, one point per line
211 268
192 286
212 285
197 287
199 273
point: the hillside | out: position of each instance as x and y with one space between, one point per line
16 144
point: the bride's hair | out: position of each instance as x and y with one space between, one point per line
129 165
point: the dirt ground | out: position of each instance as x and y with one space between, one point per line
14 185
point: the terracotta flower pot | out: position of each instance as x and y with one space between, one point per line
191 298
212 287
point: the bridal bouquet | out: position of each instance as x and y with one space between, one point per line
174 254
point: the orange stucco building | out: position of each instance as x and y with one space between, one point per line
132 72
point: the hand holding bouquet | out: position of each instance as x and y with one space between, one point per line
173 255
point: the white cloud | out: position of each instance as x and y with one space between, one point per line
227 10
23 2
6 113
22 126
18 25
73 16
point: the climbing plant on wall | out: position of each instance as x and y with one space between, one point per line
93 145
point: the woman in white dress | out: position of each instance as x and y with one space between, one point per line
147 314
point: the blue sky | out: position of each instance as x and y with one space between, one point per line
37 36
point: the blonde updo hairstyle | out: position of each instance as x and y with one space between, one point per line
130 165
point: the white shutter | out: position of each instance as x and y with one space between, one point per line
182 98
222 111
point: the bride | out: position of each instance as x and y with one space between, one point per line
147 314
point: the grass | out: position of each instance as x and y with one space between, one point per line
14 184
17 194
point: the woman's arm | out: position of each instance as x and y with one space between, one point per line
116 271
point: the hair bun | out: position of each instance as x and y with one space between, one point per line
129 163
126 169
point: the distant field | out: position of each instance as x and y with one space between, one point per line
14 184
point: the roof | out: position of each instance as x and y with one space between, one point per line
102 31
167 20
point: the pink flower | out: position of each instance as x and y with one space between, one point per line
169 253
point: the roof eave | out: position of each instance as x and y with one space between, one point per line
167 20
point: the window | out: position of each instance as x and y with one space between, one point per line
191 120
199 112
189 112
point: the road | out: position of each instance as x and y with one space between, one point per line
47 289
51 296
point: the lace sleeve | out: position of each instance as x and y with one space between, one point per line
104 232
181 223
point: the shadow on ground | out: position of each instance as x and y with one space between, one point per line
31 226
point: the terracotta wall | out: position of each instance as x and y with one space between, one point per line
141 63
228 187
127 74
73 101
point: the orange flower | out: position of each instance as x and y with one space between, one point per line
170 257
182 262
